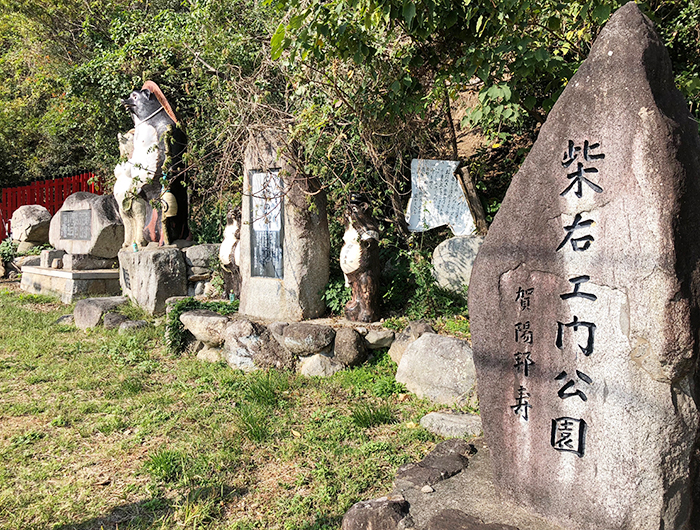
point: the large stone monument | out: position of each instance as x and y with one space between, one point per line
86 234
584 300
285 245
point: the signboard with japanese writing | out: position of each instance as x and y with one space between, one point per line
581 324
76 224
437 198
267 230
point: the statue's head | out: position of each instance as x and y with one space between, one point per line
147 102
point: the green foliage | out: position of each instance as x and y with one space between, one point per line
336 295
8 250
175 332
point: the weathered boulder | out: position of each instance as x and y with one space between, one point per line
31 223
207 326
378 339
412 332
304 339
452 425
584 301
132 325
200 257
89 311
349 347
439 368
113 320
453 260
88 224
150 276
250 340
319 365
384 513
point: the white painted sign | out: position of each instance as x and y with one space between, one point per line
437 198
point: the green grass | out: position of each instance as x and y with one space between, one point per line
97 426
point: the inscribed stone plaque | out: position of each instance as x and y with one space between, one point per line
583 302
76 224
267 231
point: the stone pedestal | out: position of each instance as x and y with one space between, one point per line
70 285
150 276
285 244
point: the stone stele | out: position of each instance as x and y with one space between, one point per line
584 300
88 224
296 257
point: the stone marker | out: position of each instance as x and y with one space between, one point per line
582 300
285 245
88 224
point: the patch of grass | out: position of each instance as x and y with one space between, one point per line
253 421
166 465
366 415
90 432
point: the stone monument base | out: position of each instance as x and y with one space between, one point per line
70 285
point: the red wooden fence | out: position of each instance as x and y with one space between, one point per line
48 193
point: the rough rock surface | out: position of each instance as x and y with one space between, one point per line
349 347
407 336
452 519
113 320
446 460
305 245
303 339
199 257
599 228
89 311
207 326
319 366
453 260
31 223
384 513
378 339
106 228
439 368
246 340
452 425
132 325
150 276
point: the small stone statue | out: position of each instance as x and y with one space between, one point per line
359 260
230 254
150 189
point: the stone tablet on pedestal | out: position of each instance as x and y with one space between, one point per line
584 300
285 245
88 224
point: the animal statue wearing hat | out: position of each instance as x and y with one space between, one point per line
359 260
150 186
